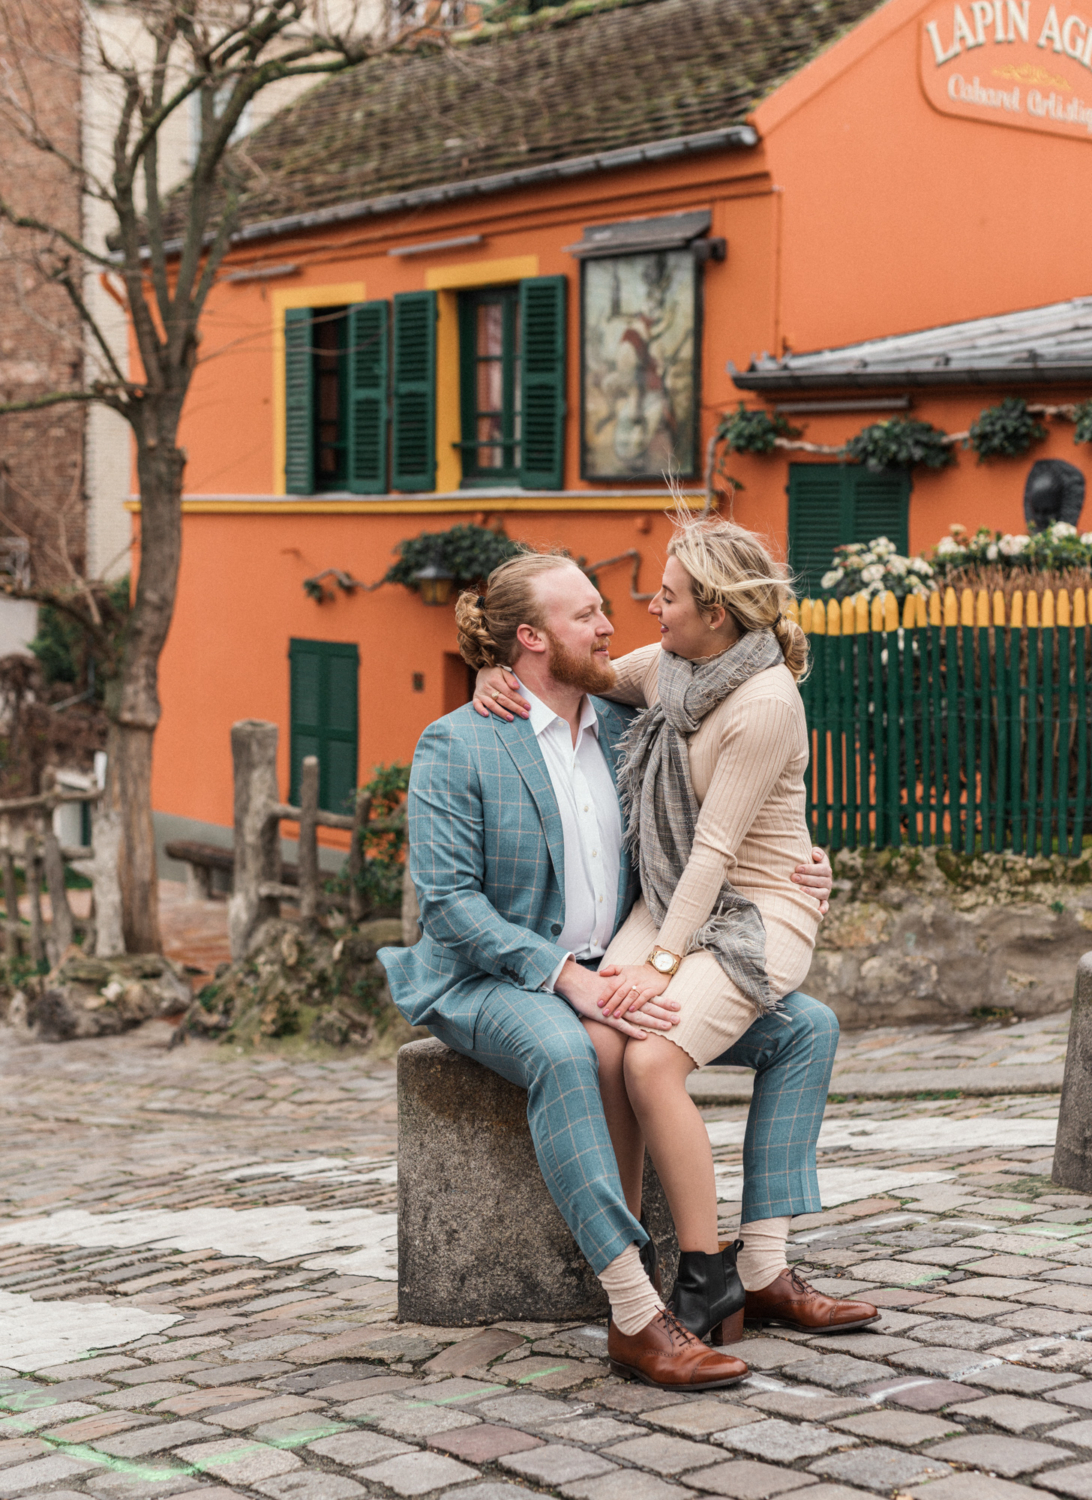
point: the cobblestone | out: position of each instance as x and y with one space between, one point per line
251 1325
1003 1455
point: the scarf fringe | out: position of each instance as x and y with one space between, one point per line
721 928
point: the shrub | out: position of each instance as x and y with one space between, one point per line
753 431
1005 431
871 568
468 553
900 443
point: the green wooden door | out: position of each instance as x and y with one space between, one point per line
831 504
323 679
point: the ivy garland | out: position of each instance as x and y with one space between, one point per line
900 443
753 431
1005 431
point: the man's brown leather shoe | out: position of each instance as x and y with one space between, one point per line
668 1355
791 1303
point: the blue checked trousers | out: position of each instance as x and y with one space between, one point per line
535 1041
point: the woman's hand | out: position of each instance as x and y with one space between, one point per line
496 691
817 878
635 987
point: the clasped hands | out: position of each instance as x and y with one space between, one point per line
624 996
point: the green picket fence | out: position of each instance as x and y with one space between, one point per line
963 722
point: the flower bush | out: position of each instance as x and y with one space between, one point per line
1006 430
1059 548
746 431
871 568
900 443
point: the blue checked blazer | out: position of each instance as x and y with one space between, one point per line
487 858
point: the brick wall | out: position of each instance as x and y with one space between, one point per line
41 481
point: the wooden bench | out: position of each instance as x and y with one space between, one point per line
202 861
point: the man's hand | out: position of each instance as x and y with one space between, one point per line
817 878
584 990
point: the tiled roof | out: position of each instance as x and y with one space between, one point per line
1036 346
615 75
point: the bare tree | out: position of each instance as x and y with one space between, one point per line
221 54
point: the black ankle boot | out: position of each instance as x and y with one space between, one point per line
708 1296
650 1258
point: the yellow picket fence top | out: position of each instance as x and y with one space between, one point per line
858 615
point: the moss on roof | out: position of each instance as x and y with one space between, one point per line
589 76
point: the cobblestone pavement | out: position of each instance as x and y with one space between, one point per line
198 1292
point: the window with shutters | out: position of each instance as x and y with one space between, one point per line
337 398
831 504
323 698
512 383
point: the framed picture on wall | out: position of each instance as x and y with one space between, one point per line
640 325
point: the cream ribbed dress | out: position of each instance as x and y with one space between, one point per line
747 764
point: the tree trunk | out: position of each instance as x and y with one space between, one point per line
132 698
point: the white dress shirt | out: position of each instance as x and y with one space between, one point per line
591 823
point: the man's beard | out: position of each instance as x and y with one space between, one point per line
584 672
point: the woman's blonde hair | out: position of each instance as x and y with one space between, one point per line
731 567
487 626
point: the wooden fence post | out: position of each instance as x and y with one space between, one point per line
33 871
361 814
308 838
1073 1149
257 830
106 886
411 910
11 894
63 928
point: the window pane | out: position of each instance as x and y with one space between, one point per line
490 330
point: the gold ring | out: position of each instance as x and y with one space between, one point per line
496 692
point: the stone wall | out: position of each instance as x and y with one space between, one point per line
926 935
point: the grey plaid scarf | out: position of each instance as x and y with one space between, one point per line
661 811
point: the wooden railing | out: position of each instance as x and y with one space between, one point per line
27 841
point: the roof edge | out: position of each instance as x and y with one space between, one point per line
729 137
775 382
854 44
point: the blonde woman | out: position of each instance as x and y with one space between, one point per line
713 793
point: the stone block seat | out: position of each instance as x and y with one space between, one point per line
479 1237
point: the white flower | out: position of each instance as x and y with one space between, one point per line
921 567
898 566
991 552
946 547
850 548
1012 546
854 563
872 574
1086 538
1062 528
829 580
868 558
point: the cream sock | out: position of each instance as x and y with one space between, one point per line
633 1299
762 1258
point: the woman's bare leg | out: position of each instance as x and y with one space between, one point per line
625 1133
656 1071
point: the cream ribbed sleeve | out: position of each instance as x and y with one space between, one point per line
635 672
760 736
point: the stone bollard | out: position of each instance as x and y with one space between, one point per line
479 1237
1073 1149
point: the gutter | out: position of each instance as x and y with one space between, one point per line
776 382
728 138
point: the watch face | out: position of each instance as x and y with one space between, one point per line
663 962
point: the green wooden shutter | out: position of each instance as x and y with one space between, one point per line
816 522
414 439
542 382
881 506
367 404
324 717
299 403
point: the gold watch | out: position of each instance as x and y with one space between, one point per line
663 961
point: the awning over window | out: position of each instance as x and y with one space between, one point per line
671 232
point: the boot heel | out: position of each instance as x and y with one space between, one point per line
730 1330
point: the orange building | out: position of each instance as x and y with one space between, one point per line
516 281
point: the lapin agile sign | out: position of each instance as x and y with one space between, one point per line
1010 62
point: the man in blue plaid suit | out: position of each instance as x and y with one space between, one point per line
493 848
